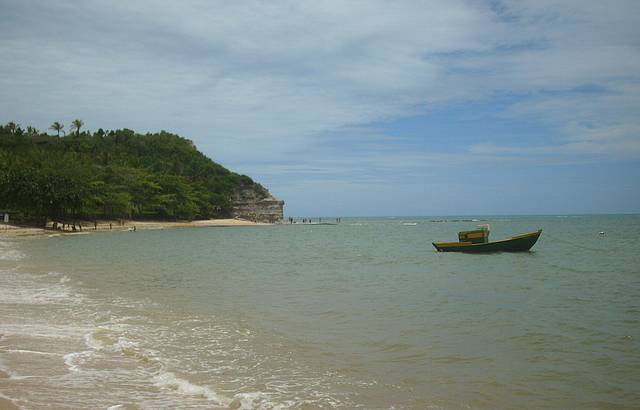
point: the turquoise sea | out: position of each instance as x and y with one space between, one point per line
363 314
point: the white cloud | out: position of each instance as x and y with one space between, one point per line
254 79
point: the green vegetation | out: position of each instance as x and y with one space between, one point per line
111 174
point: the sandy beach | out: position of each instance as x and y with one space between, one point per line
83 227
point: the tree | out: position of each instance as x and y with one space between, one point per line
13 128
118 173
31 131
40 193
76 125
56 126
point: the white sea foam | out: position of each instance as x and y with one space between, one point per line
54 273
104 339
258 400
37 352
38 295
118 331
168 380
41 330
124 344
92 342
63 278
30 289
74 360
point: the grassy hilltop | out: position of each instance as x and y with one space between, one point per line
112 174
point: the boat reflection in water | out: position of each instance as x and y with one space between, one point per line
478 241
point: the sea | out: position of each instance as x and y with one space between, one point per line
364 314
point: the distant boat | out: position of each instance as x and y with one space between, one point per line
478 241
410 224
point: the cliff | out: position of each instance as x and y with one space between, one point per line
256 205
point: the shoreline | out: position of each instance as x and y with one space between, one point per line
12 231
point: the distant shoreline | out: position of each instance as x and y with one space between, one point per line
85 227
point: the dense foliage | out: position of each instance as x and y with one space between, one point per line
112 174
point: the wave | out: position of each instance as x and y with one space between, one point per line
74 360
16 291
140 352
27 351
109 341
168 380
249 400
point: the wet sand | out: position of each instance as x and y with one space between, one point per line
7 405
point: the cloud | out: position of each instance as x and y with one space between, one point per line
294 81
253 70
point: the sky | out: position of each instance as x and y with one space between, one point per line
355 108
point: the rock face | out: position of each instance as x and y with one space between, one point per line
257 205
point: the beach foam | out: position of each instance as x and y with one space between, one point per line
94 345
168 380
73 360
19 288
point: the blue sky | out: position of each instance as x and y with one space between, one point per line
360 107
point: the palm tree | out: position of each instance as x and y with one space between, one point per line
13 127
56 126
76 125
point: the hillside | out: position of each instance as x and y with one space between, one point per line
119 174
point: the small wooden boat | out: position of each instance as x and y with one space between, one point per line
478 241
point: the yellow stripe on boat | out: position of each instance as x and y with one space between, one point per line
524 235
450 244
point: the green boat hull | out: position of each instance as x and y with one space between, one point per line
520 243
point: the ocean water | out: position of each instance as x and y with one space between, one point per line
363 314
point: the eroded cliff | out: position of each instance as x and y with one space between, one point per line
256 203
